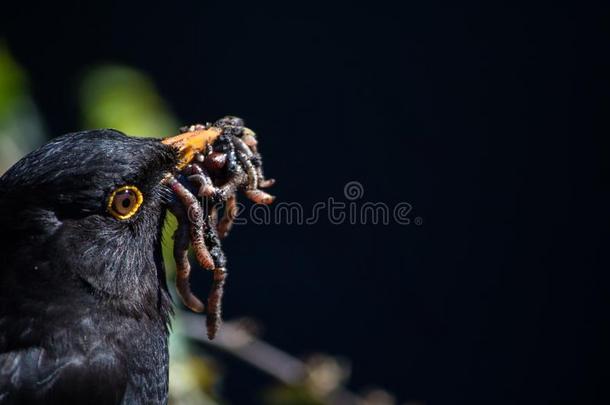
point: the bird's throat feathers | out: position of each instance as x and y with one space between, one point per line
95 265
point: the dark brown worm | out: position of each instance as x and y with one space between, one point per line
259 197
230 212
216 161
183 267
206 188
214 313
265 183
227 164
241 146
197 223
250 170
249 148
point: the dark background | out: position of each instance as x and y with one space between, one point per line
487 118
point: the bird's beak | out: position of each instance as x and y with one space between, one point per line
189 143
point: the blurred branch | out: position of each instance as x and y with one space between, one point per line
239 343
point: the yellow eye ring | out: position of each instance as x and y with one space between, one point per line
124 202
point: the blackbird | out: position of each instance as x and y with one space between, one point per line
84 304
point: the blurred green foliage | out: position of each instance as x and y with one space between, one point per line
21 129
12 82
119 97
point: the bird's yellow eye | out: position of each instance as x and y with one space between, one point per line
124 202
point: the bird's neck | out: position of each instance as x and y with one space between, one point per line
53 262
51 291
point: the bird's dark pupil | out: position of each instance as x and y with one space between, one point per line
126 203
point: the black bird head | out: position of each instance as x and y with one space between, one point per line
54 206
84 304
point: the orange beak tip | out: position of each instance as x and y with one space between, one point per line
190 143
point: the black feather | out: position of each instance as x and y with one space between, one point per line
84 307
